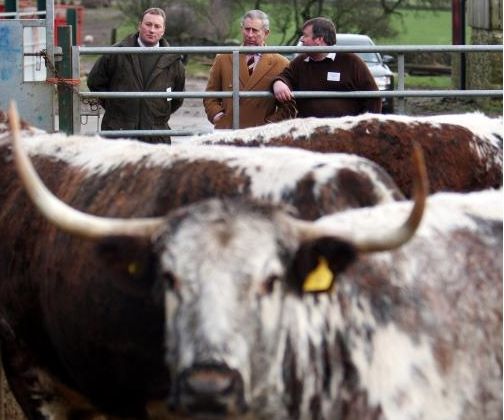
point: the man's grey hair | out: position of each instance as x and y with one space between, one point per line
154 11
256 14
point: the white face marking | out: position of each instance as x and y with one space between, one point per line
221 308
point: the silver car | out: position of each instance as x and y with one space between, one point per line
377 64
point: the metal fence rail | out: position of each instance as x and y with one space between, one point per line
401 93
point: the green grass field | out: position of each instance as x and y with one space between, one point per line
422 28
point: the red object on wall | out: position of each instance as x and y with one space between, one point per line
60 19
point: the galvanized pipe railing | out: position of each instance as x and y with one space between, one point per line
18 15
291 49
236 94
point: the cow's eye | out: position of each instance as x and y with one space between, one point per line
269 284
170 281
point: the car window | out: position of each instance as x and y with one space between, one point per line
369 57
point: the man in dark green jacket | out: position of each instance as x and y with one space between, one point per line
140 72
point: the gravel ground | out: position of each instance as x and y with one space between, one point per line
99 24
9 409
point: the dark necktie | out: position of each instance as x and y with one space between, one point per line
251 64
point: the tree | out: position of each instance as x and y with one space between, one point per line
215 21
185 20
133 9
372 17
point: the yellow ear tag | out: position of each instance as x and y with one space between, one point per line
320 279
132 268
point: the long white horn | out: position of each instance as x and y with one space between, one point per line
60 214
384 241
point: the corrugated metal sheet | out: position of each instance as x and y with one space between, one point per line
485 14
34 97
479 14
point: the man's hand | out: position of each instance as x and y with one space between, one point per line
282 91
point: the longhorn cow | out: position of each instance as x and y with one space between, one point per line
266 315
463 152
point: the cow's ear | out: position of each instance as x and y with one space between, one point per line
317 263
130 256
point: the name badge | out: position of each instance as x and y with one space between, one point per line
333 76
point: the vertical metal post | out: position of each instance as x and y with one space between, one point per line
458 36
113 36
11 6
76 102
400 83
236 89
65 92
49 25
49 17
463 36
41 5
71 18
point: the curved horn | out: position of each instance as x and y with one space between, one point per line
60 214
385 241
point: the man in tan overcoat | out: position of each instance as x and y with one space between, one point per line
256 73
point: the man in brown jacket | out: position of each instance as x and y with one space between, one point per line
256 73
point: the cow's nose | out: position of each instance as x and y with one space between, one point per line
209 381
211 389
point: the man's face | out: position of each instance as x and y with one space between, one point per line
253 32
151 29
308 40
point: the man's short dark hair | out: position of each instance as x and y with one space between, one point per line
322 27
154 11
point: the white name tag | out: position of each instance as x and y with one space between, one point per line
333 76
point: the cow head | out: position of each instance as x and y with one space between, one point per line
232 274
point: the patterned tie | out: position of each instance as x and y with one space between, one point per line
250 64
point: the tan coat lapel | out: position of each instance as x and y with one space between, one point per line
262 68
244 76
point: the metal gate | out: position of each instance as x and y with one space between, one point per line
23 72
